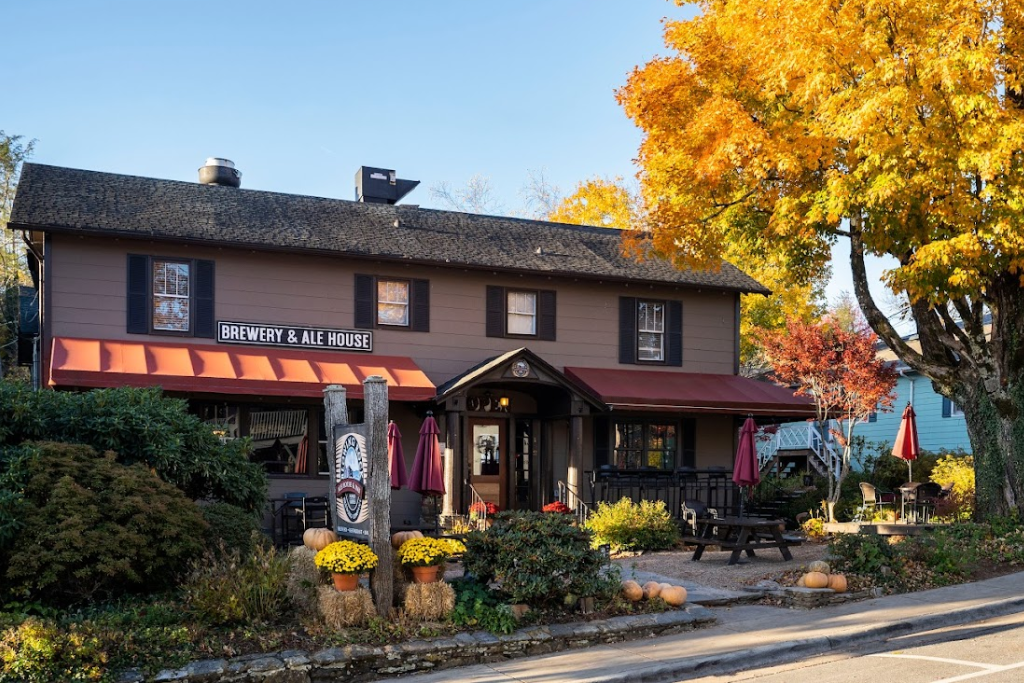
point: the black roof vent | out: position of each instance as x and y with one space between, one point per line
381 186
220 172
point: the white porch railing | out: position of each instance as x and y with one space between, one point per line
569 496
796 436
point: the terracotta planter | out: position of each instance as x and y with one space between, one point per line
345 582
425 574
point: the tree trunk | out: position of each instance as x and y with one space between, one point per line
379 493
997 440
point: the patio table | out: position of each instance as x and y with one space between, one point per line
741 535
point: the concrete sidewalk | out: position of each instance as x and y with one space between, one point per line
755 635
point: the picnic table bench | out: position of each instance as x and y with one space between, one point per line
741 535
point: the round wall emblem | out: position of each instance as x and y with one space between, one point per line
520 368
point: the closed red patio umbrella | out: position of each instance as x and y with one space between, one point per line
745 472
427 477
396 458
906 446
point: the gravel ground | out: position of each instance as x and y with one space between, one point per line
714 571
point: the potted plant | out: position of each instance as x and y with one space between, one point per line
558 506
482 509
424 556
346 560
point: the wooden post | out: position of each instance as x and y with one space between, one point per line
335 413
452 467
574 475
375 391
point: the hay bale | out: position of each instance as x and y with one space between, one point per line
350 608
429 601
303 579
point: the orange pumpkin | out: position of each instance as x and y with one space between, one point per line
674 595
632 591
837 582
802 581
318 539
401 537
816 580
652 589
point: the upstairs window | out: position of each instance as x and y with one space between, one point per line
518 313
650 325
393 302
171 298
650 331
522 313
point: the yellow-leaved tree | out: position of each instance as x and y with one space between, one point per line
895 124
795 294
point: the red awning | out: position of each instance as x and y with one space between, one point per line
690 392
225 369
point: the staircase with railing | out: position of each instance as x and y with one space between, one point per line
477 508
775 441
571 498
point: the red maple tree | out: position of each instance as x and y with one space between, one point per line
836 365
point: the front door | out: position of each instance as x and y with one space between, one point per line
525 443
488 449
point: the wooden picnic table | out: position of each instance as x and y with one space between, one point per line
741 534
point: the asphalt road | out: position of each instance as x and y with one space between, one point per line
990 651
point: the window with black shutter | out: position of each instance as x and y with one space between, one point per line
520 313
392 303
650 331
170 296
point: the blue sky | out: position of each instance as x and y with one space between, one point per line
300 95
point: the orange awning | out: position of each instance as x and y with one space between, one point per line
690 392
226 369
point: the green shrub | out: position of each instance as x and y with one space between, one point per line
863 554
626 525
478 606
949 555
540 558
140 426
231 588
94 528
231 527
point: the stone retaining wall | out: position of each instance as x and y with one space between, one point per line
356 663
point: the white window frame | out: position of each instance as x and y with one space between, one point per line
521 306
644 325
955 410
388 298
169 295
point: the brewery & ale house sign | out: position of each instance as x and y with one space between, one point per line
294 336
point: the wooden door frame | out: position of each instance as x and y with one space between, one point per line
504 468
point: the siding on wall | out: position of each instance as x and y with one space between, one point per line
88 280
935 433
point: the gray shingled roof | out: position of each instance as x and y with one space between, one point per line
61 199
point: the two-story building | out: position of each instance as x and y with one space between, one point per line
542 350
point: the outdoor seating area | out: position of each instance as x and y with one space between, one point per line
711 488
741 535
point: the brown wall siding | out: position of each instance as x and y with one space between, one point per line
88 280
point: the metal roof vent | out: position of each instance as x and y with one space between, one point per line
381 186
219 171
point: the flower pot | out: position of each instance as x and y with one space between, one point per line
345 582
425 574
